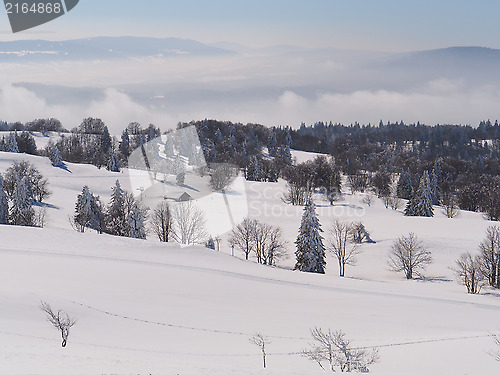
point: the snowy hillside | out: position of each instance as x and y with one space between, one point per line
148 308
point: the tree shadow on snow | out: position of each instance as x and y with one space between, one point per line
64 167
433 279
48 205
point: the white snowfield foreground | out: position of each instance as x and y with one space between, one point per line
148 308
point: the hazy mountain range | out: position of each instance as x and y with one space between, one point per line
103 48
171 79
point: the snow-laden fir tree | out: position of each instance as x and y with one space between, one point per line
424 197
136 218
288 138
404 186
116 215
88 211
4 204
169 146
310 252
11 143
285 153
22 212
435 189
105 141
55 156
411 206
253 172
113 163
124 147
272 145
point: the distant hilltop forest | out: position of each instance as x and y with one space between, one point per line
462 162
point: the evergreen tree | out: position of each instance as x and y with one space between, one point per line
404 186
310 252
411 206
253 170
11 143
105 141
124 147
55 156
22 212
285 154
218 135
288 138
113 163
26 143
272 146
169 146
88 211
136 218
424 197
4 204
435 190
116 216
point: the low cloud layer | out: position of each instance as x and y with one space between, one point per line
437 102
266 88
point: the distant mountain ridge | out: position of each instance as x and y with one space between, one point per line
104 48
108 48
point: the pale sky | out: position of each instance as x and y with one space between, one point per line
387 25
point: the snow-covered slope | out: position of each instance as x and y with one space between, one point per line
149 308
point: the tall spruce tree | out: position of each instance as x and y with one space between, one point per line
424 197
169 146
88 211
113 163
310 252
272 145
253 172
404 186
4 204
55 156
11 143
116 214
136 218
124 146
411 206
22 212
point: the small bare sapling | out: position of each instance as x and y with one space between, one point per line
60 320
261 341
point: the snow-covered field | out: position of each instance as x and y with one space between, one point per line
149 308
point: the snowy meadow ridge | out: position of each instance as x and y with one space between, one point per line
145 307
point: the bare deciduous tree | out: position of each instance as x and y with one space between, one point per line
188 224
241 237
468 272
450 205
341 246
408 254
221 175
335 348
161 221
40 218
264 240
261 341
296 194
60 320
489 249
368 199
